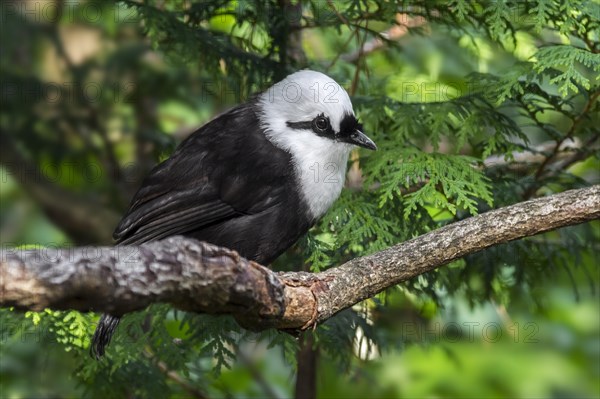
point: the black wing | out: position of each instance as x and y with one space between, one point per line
222 171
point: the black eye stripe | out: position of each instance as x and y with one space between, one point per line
300 125
348 124
326 131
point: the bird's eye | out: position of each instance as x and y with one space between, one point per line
321 123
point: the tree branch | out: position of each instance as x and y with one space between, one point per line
404 23
200 277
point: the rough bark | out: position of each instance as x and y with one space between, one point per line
201 277
189 274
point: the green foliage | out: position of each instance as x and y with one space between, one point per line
479 80
568 56
445 182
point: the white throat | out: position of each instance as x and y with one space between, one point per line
320 166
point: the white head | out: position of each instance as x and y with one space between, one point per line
310 116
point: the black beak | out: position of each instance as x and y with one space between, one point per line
360 139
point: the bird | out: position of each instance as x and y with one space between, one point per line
254 179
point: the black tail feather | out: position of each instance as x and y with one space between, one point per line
104 332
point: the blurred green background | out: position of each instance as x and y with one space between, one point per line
94 93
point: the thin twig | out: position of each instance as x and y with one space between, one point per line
257 375
542 169
175 377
